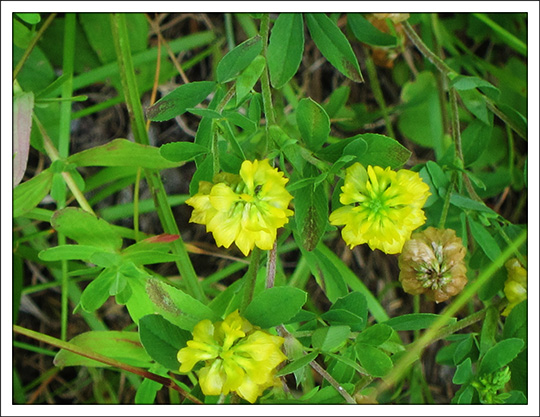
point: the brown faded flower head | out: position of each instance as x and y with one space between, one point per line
431 263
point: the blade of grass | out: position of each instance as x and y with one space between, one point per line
129 83
168 382
509 39
63 148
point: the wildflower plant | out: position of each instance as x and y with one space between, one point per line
246 209
295 208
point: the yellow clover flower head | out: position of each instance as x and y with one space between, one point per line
246 209
381 207
515 286
238 357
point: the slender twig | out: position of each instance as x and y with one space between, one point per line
161 40
167 382
32 44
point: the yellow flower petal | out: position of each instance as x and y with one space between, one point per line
381 207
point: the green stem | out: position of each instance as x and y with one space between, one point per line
434 59
251 278
32 44
53 155
446 206
418 346
64 134
377 92
229 31
170 383
136 204
129 84
265 82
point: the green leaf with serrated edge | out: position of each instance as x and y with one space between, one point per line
383 151
500 355
465 82
330 338
490 326
373 360
285 48
238 59
365 32
182 151
297 364
463 372
375 335
485 240
86 229
97 292
29 194
179 100
274 306
162 340
120 345
313 123
68 252
122 153
176 306
249 77
415 321
334 45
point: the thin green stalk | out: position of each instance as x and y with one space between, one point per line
265 82
377 92
446 205
170 383
229 31
52 153
136 204
507 37
129 84
250 278
32 44
419 43
63 149
416 348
